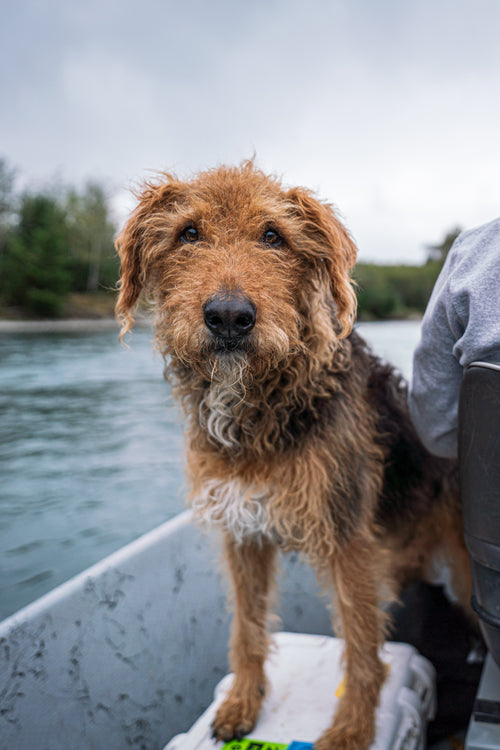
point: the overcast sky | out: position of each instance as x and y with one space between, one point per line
390 109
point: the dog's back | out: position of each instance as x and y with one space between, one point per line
418 515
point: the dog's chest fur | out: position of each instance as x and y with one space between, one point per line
243 510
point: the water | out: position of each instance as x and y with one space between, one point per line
91 450
90 455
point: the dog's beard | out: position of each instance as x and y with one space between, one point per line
230 369
224 399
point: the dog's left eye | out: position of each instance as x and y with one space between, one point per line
271 237
190 234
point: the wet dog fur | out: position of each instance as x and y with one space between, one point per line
298 436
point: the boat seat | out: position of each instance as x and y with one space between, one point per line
479 462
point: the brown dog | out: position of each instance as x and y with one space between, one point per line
299 437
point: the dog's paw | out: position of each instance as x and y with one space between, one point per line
236 717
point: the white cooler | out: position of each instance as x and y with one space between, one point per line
305 684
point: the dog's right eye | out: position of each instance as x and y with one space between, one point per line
189 234
272 238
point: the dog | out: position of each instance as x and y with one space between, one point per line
298 436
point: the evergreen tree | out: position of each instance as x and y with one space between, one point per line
440 251
7 204
35 273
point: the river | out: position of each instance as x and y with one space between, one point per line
91 449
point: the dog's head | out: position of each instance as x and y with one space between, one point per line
241 270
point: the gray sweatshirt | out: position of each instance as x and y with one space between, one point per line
461 325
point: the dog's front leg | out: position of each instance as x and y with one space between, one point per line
251 565
353 727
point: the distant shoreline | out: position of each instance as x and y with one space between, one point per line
69 325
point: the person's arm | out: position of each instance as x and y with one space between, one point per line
437 374
461 325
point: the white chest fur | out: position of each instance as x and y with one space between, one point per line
239 509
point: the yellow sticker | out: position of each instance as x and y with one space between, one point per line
341 686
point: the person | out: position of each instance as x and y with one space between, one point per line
461 325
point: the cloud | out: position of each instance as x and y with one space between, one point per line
388 109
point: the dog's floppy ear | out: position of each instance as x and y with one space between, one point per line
140 242
327 240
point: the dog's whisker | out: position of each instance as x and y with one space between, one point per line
214 370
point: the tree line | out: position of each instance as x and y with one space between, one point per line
57 242
400 291
53 242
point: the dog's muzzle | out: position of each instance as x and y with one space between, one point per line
229 318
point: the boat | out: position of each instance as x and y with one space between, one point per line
128 653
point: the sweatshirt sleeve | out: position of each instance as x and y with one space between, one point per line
437 375
461 325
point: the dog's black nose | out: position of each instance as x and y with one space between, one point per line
229 317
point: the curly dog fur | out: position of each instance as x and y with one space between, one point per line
298 436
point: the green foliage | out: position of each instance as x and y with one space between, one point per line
7 178
94 262
35 266
7 202
386 292
440 251
53 244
